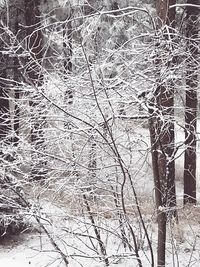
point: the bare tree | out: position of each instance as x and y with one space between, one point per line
16 25
192 31
68 53
10 78
35 78
162 128
110 58
34 41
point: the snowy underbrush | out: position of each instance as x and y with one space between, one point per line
95 222
75 235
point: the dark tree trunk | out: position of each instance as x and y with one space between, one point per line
34 41
17 17
12 16
4 101
10 220
67 52
161 123
161 249
192 30
35 78
67 45
161 127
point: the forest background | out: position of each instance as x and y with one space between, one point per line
99 138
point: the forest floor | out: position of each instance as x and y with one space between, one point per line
33 248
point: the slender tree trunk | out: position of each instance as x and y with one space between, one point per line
92 165
17 17
124 238
34 41
67 51
12 17
35 77
7 75
161 122
97 233
165 103
161 127
67 45
160 191
4 102
192 30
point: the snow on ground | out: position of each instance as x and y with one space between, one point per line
12 263
34 249
27 254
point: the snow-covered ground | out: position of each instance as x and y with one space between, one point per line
34 250
69 230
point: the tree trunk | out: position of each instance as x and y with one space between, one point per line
67 45
161 126
16 19
162 230
67 51
12 16
4 102
10 202
161 122
35 78
34 41
192 30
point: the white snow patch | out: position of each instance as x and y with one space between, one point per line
12 263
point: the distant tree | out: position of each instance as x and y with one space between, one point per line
16 22
34 76
68 53
10 70
67 43
192 34
12 16
5 124
34 41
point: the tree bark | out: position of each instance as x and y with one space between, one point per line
35 77
34 41
161 125
67 45
16 19
191 102
8 83
67 51
162 122
4 100
12 17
